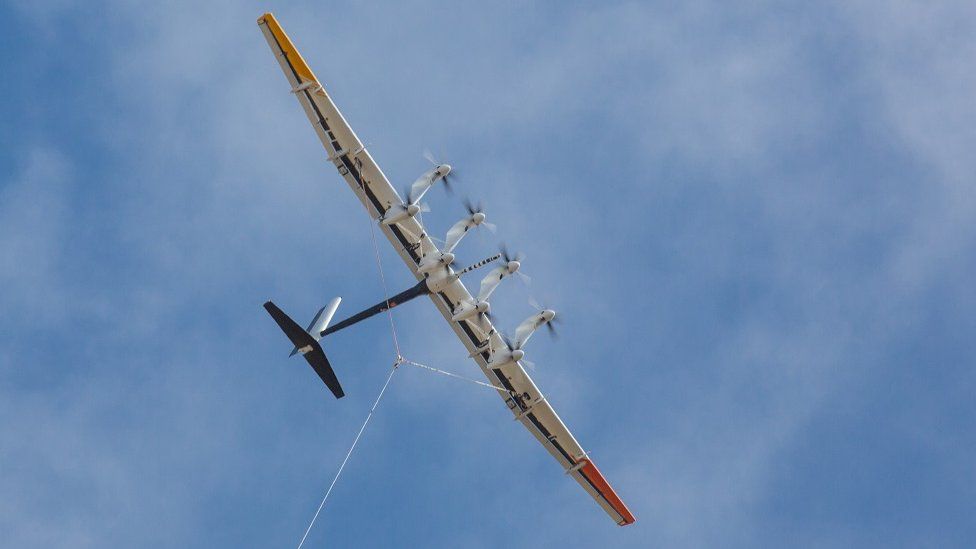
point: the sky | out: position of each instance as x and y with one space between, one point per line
755 220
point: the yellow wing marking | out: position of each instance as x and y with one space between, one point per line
291 53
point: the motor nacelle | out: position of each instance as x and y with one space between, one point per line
441 171
435 261
470 310
501 357
399 213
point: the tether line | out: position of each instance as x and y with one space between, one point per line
349 453
386 292
456 376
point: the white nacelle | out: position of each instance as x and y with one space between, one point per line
524 331
432 262
459 229
504 356
469 310
439 279
426 181
399 213
530 325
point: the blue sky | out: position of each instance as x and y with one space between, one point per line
755 219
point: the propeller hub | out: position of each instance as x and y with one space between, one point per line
478 218
444 169
513 266
483 307
413 210
548 315
447 258
517 354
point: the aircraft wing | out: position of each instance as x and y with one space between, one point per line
408 237
344 149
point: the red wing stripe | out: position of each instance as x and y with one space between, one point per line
596 479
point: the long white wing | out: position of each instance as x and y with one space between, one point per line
365 178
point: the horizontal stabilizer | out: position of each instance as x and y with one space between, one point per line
309 331
309 348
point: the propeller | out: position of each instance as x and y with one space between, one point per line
409 202
447 183
517 258
476 209
552 329
508 256
485 316
507 340
511 347
550 324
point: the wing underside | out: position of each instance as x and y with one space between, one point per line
367 181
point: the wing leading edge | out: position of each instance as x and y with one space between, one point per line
408 237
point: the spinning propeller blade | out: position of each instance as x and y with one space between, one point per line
550 324
519 256
472 209
478 208
452 174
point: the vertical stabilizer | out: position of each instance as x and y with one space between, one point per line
320 321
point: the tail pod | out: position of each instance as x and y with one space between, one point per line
308 345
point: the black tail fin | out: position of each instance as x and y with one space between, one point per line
309 348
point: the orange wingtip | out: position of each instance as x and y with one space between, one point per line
596 478
291 52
